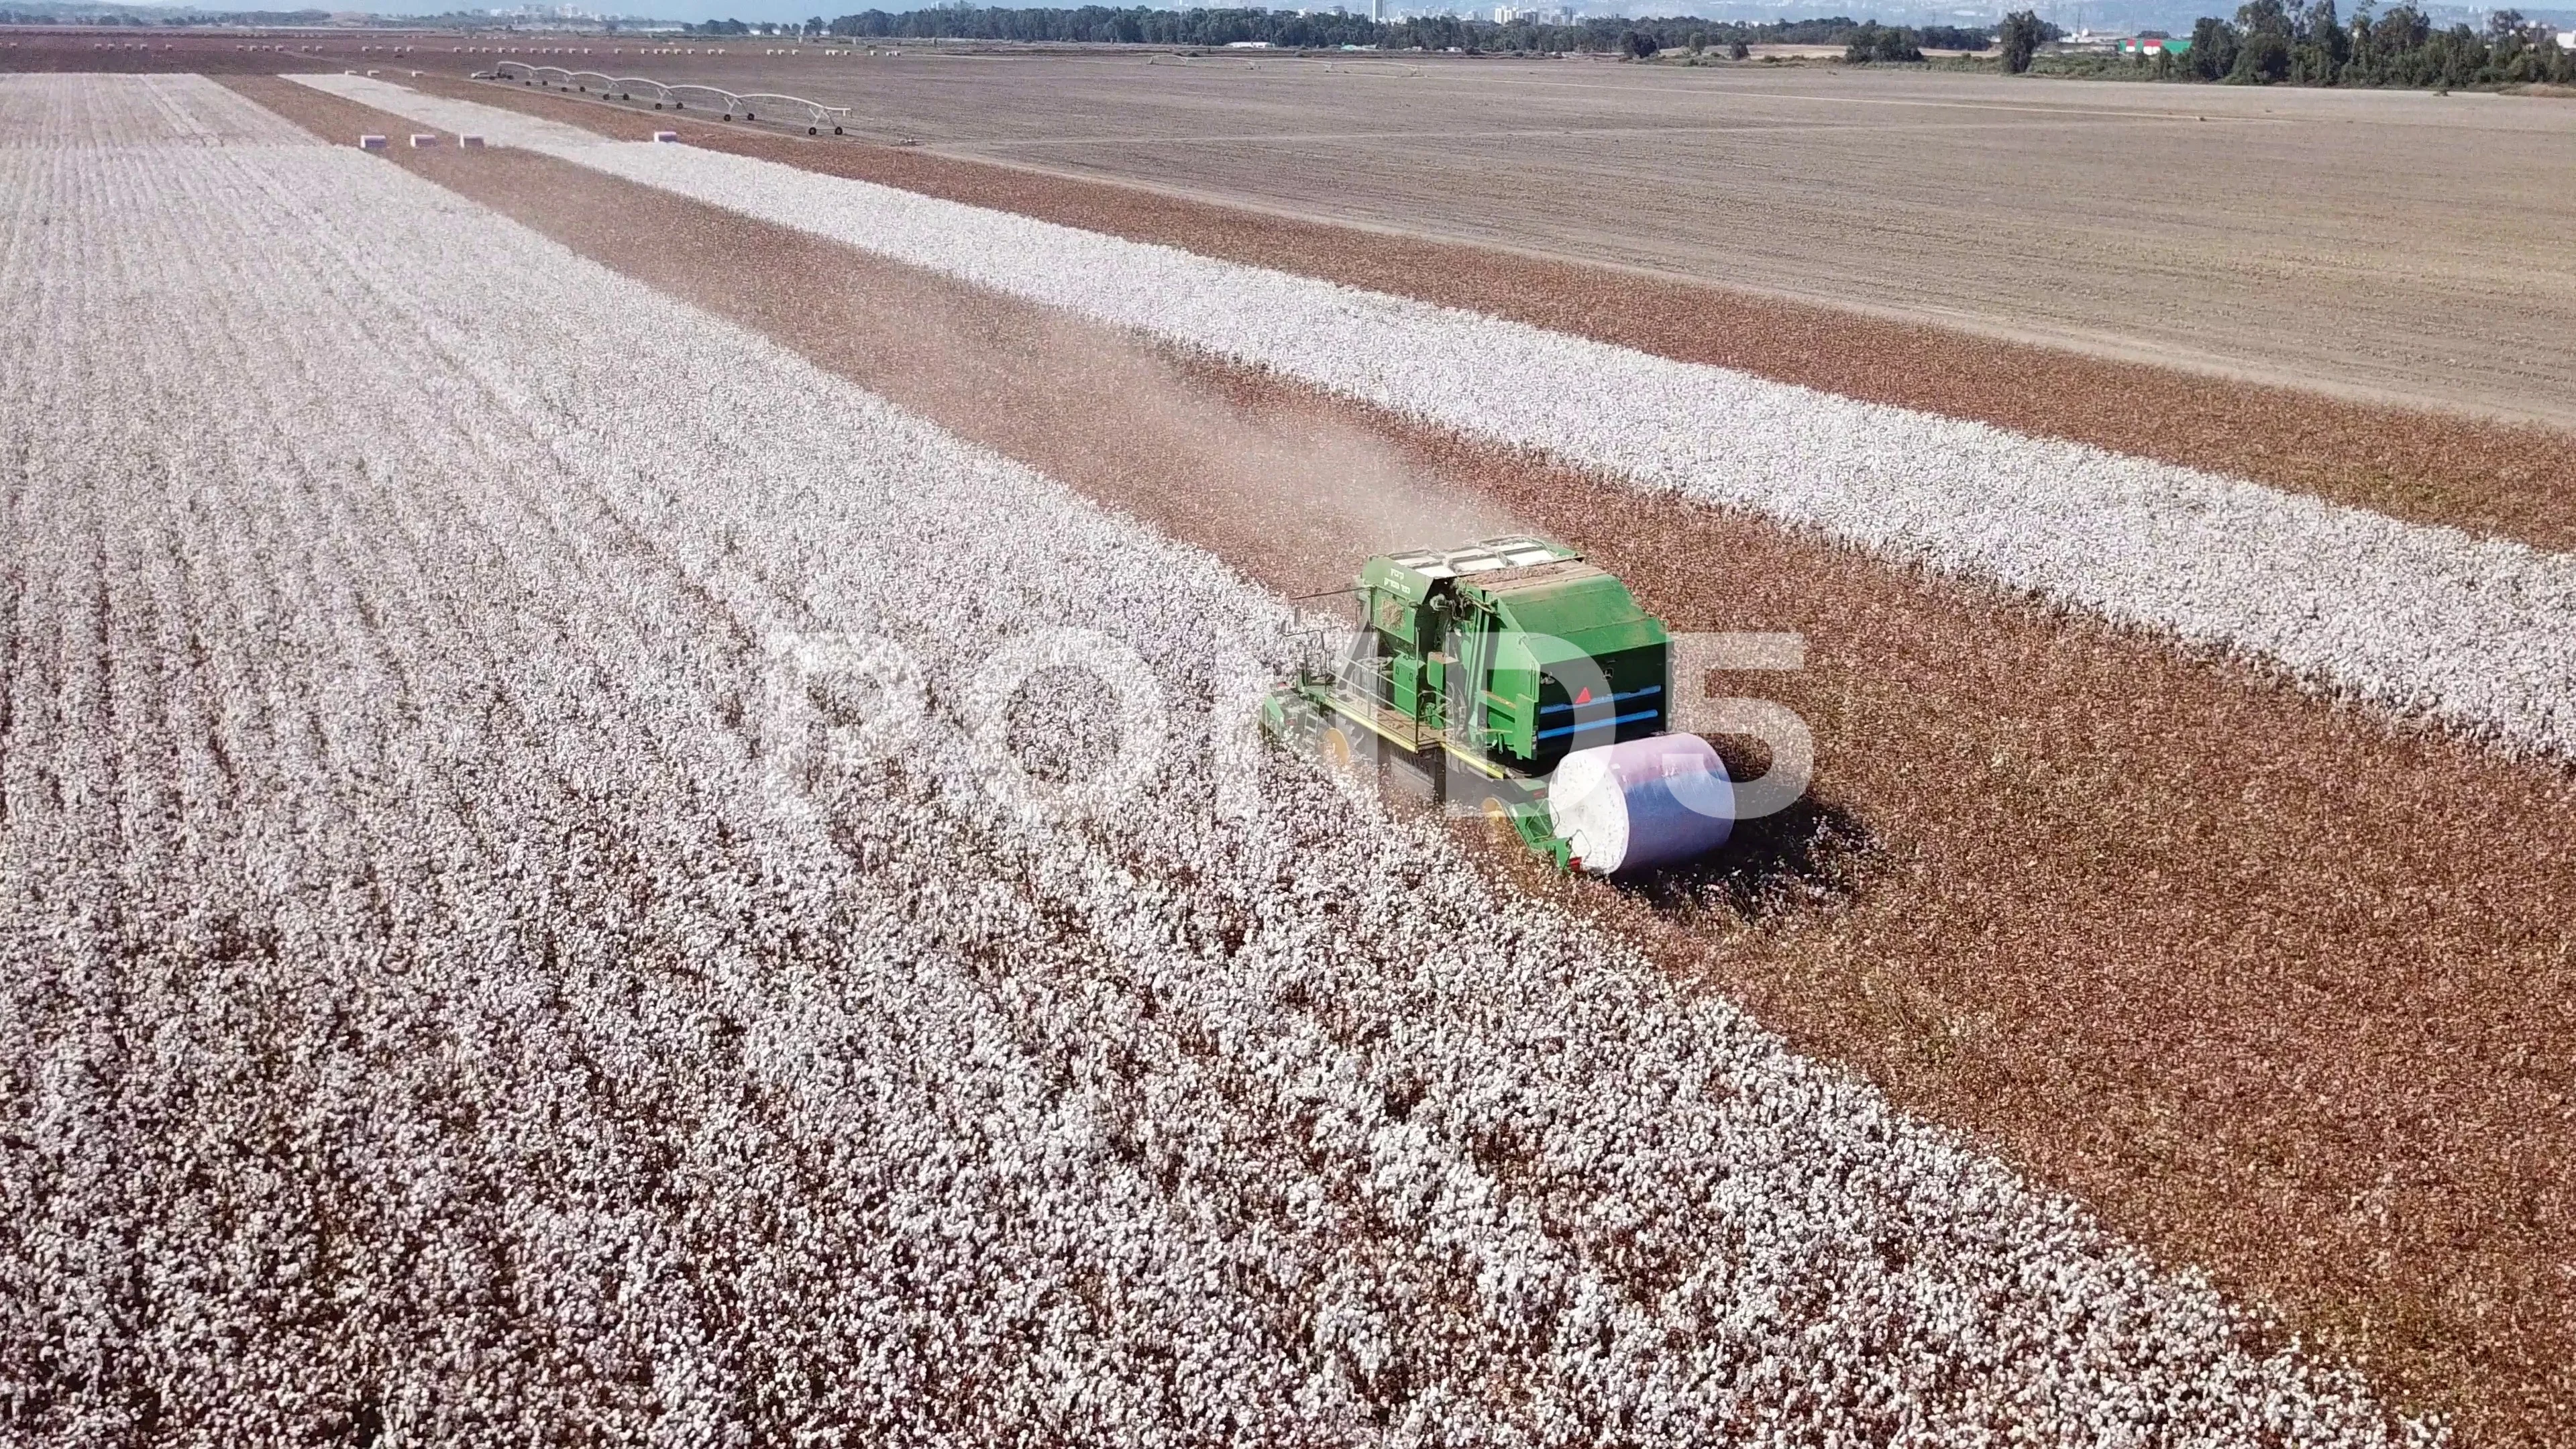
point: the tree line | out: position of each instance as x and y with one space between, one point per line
2272 42
1289 30
1871 43
2269 41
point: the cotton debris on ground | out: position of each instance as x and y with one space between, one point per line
2478 633
437 1003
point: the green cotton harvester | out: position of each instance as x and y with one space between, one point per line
1512 677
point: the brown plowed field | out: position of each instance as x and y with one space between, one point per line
2276 990
2435 467
2395 245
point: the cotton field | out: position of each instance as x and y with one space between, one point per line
447 999
2475 632
50 113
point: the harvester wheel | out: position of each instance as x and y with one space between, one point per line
1337 749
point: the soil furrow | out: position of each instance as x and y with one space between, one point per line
2273 987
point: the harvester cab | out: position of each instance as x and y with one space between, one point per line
1511 677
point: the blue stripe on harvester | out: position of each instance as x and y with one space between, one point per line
1614 699
1612 724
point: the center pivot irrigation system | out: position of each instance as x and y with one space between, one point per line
727 103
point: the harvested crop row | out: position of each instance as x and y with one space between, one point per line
423 1018
2479 634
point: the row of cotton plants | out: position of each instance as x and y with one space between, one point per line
431 1009
2425 620
498 126
48 111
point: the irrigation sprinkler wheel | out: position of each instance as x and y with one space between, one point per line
836 130
810 131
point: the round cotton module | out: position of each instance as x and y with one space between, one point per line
1642 803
